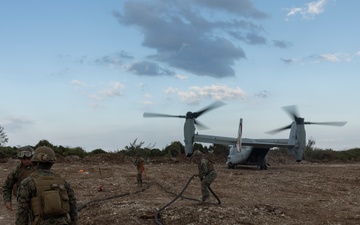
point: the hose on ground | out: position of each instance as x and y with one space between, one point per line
111 197
157 214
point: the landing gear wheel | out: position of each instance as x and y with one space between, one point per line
231 166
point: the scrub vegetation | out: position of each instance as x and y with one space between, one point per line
176 148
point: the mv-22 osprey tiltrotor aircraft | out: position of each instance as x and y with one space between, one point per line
247 151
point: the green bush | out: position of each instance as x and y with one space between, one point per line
176 148
98 151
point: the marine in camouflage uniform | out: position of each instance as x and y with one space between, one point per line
207 173
139 163
24 169
27 192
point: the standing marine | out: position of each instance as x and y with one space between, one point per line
44 197
206 173
139 163
23 170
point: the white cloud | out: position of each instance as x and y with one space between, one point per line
77 83
324 57
315 8
147 102
96 97
189 97
171 90
148 95
292 12
329 57
309 10
114 90
214 92
336 57
219 92
181 77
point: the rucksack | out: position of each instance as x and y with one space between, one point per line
51 196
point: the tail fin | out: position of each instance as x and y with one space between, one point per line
297 139
189 132
292 139
238 141
301 142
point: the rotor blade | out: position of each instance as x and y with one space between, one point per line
278 130
208 108
339 124
148 114
200 126
292 111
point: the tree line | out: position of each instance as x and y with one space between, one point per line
176 148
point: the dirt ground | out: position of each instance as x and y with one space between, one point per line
287 193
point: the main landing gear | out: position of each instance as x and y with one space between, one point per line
231 166
263 167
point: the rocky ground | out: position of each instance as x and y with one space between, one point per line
287 193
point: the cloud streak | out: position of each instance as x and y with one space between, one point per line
14 124
309 11
148 68
98 93
195 94
323 57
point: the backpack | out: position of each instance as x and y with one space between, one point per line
51 197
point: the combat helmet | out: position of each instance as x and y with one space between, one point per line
44 154
25 151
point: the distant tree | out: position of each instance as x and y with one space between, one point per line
220 150
134 146
61 149
175 148
3 136
151 146
198 146
6 152
309 149
98 151
207 149
79 151
44 143
156 152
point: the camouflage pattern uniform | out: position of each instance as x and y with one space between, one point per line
24 169
207 175
27 191
139 163
13 180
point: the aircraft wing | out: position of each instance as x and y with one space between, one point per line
259 143
215 139
266 143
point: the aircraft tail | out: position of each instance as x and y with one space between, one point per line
238 141
297 139
292 139
189 133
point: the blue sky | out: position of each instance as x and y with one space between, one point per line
82 73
